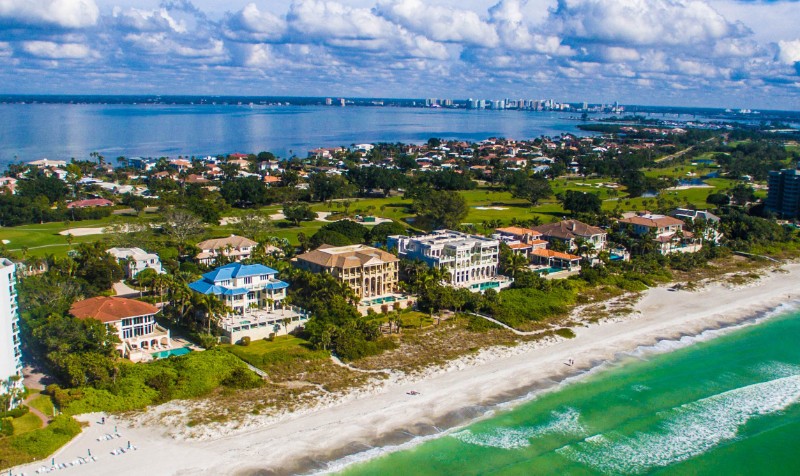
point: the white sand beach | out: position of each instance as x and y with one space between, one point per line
354 423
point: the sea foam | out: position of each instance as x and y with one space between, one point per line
686 431
563 422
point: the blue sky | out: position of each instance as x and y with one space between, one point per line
666 52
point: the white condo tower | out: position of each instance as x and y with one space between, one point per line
10 353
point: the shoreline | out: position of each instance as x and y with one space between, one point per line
462 391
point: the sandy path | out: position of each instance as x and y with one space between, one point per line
356 422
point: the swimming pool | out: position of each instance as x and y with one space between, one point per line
169 353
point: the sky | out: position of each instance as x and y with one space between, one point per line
716 53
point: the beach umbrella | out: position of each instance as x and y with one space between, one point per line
53 462
90 452
115 428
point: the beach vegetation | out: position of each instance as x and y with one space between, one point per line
39 443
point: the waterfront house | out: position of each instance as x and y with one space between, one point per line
372 273
136 260
668 232
553 261
570 232
254 295
470 260
133 321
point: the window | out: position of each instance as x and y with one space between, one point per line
248 280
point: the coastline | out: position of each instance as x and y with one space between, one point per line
463 390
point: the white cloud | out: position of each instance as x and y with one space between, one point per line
252 24
439 23
644 22
323 20
148 20
167 48
62 13
789 51
51 50
617 54
509 20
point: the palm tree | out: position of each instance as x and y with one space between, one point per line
515 262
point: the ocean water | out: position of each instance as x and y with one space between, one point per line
724 403
61 131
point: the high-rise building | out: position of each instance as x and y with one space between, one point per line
328 101
783 197
10 352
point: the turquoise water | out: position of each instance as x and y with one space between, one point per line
169 353
727 405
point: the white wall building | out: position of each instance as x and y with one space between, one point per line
10 352
138 260
470 260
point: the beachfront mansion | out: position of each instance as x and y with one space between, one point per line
254 294
10 352
470 260
372 273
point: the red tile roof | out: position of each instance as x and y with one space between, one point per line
111 309
92 202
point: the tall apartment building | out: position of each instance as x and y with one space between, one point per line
10 352
470 260
783 197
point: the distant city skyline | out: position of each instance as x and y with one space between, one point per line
697 53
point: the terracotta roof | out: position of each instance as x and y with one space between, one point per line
569 229
346 256
519 231
519 246
111 309
652 221
554 254
234 241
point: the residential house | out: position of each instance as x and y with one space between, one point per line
133 321
571 232
254 294
92 202
136 260
668 232
551 261
9 183
372 273
234 247
470 260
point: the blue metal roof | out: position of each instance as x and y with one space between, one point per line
238 270
277 284
205 287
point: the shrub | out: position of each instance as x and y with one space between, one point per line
242 378
15 413
565 332
245 341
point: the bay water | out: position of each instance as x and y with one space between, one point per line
725 402
61 131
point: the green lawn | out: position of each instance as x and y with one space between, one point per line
263 353
43 403
25 423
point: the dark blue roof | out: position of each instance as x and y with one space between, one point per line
237 270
